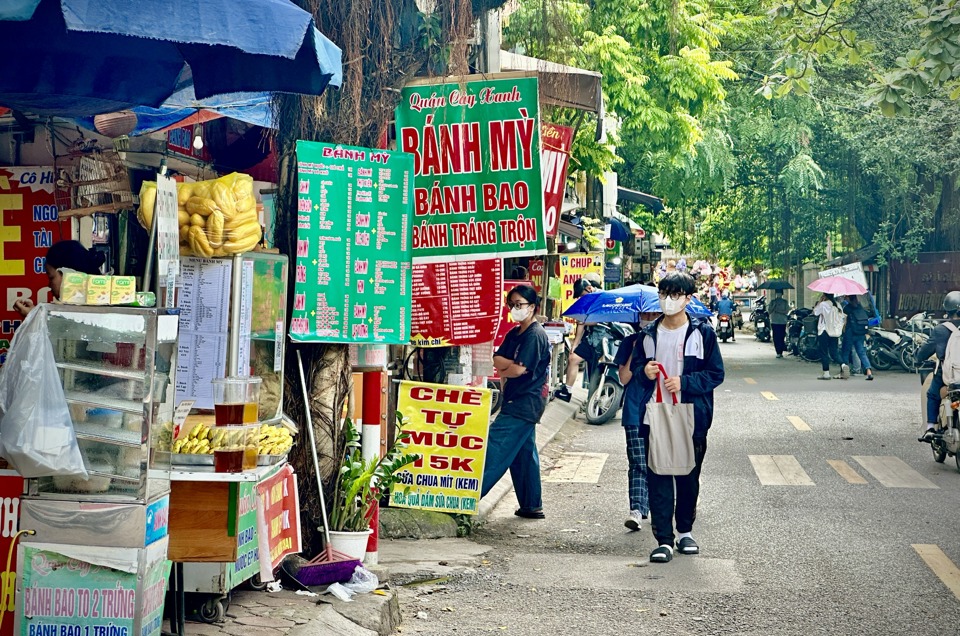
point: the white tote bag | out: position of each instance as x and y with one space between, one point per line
671 435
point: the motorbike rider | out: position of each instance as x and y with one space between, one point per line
581 350
725 307
938 344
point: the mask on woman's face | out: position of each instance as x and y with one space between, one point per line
672 307
519 314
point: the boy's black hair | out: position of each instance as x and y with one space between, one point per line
677 282
526 292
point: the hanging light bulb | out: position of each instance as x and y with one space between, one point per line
198 137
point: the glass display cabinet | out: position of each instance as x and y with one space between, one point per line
118 369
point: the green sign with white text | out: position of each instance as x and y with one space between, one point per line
353 245
476 147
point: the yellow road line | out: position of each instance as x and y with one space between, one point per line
749 380
769 395
941 565
893 472
779 470
846 471
798 423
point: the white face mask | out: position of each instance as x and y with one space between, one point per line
519 314
671 306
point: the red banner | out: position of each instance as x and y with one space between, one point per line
28 227
506 322
278 519
554 159
537 269
11 487
455 303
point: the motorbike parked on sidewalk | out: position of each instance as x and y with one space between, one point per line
946 440
605 392
724 327
808 346
795 328
887 348
761 321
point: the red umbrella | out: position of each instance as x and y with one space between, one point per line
838 286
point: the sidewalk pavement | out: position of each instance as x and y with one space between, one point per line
286 613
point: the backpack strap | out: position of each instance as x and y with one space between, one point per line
952 327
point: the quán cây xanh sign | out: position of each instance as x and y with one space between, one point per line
476 149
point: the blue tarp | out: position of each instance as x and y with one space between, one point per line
252 108
82 57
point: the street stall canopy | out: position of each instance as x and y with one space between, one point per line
77 57
652 202
560 85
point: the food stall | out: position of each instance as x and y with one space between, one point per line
232 322
97 555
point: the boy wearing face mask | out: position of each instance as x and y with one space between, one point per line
687 349
523 363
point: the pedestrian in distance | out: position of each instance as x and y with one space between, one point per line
688 350
638 494
938 345
523 363
779 317
582 350
829 329
855 335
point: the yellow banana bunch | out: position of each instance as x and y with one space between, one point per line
203 440
274 440
216 217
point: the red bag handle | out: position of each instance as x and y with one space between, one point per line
659 393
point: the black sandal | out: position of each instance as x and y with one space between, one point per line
530 514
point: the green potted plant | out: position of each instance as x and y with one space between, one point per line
359 484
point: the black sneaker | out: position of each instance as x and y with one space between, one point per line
527 513
663 554
687 545
562 394
928 435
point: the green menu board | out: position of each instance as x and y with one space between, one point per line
353 245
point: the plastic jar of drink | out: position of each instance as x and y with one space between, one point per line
236 405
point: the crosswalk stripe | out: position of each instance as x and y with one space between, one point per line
798 423
846 471
779 470
769 395
749 380
941 565
578 467
893 472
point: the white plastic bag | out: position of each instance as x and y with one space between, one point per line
36 432
363 581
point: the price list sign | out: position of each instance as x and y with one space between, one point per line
456 303
353 265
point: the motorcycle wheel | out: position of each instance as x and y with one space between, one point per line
908 357
809 350
879 356
497 396
940 453
604 401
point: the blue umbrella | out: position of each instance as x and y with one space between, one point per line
83 57
619 231
625 305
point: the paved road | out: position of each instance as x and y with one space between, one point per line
817 503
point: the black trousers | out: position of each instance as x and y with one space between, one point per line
779 338
829 350
673 497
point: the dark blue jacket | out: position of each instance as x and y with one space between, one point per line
702 373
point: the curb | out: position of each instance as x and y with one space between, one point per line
554 417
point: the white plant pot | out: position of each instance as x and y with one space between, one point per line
353 544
